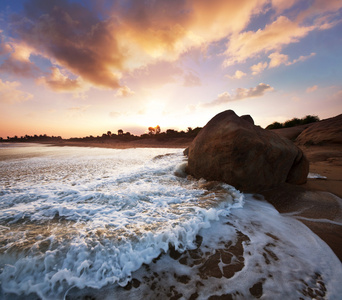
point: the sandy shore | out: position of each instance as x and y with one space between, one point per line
317 203
144 143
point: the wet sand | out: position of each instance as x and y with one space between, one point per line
317 203
115 144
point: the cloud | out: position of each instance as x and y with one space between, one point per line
5 47
278 59
156 74
240 94
256 69
249 44
74 38
311 89
302 58
322 11
237 75
124 91
59 82
9 92
132 35
18 62
281 5
107 40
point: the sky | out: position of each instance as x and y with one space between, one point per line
78 68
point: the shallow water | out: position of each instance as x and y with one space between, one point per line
107 223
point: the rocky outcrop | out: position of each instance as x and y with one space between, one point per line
233 150
328 131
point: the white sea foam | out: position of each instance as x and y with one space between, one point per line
88 217
316 176
76 220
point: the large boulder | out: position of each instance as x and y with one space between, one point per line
233 150
328 131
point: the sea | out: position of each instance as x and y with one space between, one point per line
96 223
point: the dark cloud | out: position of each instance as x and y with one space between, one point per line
5 48
74 37
19 68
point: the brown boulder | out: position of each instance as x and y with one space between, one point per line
328 131
252 159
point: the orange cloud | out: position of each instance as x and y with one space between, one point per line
240 94
248 44
277 59
237 75
281 5
9 92
324 9
256 69
124 91
18 62
311 89
72 37
135 34
59 82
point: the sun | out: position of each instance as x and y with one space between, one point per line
152 114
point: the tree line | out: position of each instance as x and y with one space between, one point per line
32 138
294 122
153 132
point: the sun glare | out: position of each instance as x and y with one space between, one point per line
152 115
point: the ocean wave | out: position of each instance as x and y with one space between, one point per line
90 217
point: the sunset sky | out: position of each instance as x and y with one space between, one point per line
77 68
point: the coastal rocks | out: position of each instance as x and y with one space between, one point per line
233 150
328 131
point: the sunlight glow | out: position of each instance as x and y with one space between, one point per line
153 114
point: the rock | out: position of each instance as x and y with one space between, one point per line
252 159
328 131
247 118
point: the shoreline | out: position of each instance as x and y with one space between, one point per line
144 143
317 203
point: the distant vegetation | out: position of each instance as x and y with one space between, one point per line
293 122
32 138
153 132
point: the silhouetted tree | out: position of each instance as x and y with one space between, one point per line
120 132
275 125
310 119
151 130
154 130
109 133
293 122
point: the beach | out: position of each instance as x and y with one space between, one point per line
97 221
314 200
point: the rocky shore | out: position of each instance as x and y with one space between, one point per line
276 165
